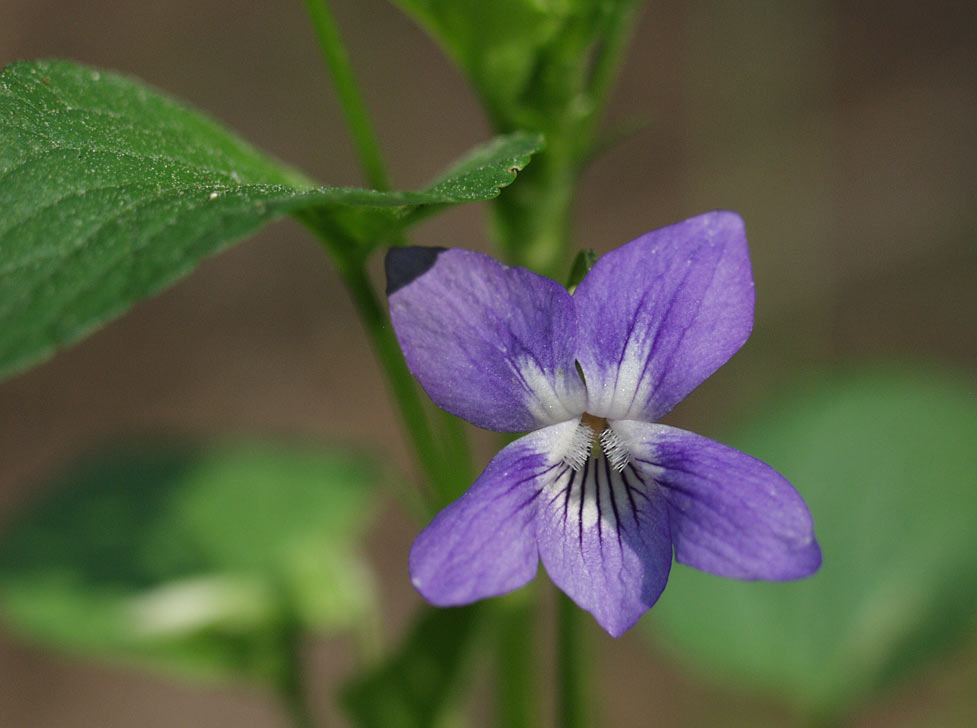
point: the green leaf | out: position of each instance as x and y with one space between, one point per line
413 687
523 56
496 43
483 172
886 460
110 190
194 561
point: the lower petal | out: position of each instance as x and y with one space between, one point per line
730 514
484 544
604 540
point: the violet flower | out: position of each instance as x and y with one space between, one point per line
597 491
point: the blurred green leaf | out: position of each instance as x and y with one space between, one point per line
110 190
413 687
886 459
529 60
495 43
193 561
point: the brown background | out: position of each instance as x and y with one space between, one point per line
844 133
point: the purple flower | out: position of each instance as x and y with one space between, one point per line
597 491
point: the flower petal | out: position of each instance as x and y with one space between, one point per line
660 314
484 544
730 514
604 540
492 344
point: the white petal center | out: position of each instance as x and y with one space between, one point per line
593 431
551 397
597 495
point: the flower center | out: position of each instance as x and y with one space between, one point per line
596 424
595 430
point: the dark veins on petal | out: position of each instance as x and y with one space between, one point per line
628 483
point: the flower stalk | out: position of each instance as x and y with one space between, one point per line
573 687
516 683
351 100
447 467
442 466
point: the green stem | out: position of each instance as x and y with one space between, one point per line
829 719
444 459
608 59
409 403
290 685
338 65
573 688
533 218
457 457
515 674
294 699
443 455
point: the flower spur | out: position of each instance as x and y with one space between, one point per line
596 491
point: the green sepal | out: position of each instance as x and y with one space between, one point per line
582 264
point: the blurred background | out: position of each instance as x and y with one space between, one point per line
844 133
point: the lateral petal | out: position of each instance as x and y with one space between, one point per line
730 514
484 544
657 316
604 540
489 343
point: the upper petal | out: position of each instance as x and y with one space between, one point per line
603 538
730 514
489 343
484 544
660 314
